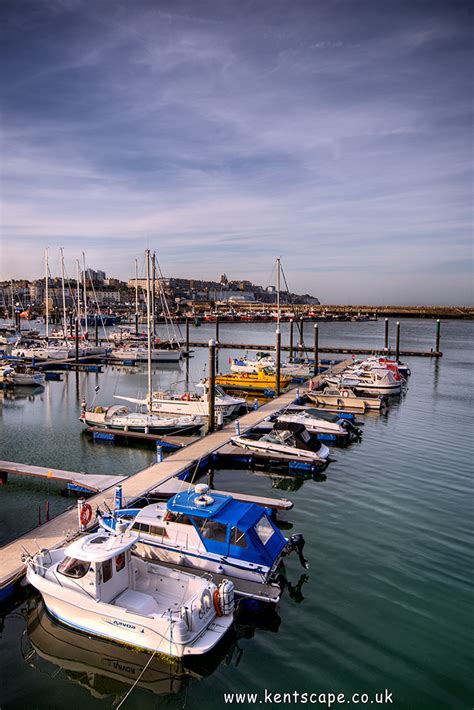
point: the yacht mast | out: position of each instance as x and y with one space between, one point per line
64 296
46 293
136 287
78 291
84 276
148 318
153 289
278 290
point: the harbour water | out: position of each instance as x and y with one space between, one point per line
387 601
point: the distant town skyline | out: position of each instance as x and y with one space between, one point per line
221 135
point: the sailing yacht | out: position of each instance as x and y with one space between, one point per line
120 417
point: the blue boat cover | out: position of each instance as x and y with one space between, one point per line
246 518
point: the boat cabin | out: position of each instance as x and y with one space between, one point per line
296 435
99 564
214 523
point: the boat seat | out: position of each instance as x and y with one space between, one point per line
137 602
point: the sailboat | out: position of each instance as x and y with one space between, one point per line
120 417
46 349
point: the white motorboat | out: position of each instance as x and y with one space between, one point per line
340 428
249 366
285 438
374 381
345 398
21 376
203 530
120 417
97 586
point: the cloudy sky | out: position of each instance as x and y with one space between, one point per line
223 133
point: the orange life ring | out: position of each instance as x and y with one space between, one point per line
86 514
215 599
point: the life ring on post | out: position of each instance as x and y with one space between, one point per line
86 514
215 599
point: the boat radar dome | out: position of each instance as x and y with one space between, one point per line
203 498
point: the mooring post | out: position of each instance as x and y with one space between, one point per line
438 335
386 334
136 323
187 336
217 331
316 350
159 453
397 351
118 498
291 339
212 384
278 361
70 325
301 333
96 330
237 427
77 339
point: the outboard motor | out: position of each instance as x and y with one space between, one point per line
296 544
351 429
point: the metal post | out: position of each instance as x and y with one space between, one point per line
291 339
397 353
237 427
159 453
118 498
278 361
136 323
438 335
187 335
212 384
316 350
386 334
301 333
96 329
77 339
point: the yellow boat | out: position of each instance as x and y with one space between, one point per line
264 379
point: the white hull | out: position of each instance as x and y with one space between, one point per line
28 380
141 355
120 625
140 422
156 553
273 448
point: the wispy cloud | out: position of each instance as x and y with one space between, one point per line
222 138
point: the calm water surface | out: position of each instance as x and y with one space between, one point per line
387 602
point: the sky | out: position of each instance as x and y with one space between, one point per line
336 134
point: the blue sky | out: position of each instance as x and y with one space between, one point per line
336 134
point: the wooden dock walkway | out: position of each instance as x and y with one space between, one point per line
65 527
297 349
94 483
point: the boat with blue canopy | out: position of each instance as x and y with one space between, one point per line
207 531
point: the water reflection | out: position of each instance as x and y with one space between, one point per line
105 669
15 394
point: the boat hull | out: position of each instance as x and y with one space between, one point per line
119 625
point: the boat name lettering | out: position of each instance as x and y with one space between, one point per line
116 622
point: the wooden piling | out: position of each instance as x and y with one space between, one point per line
77 339
316 350
386 334
438 335
397 353
212 384
291 338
